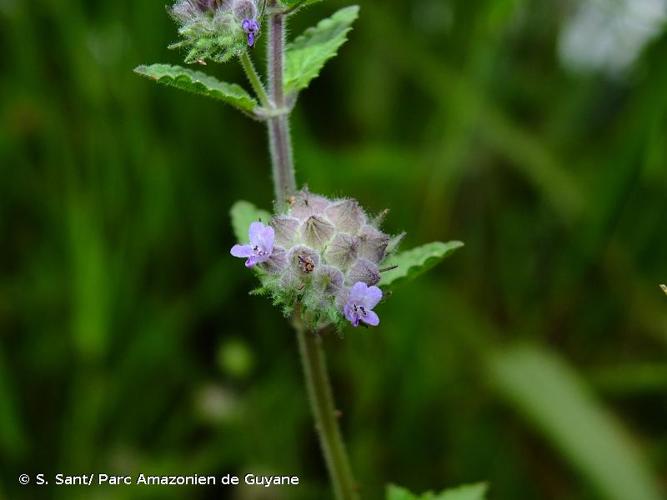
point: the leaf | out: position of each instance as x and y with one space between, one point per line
308 53
397 493
465 492
412 263
243 213
299 4
553 398
200 83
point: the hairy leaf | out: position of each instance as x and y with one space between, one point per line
243 213
551 395
465 492
308 53
412 263
298 4
199 83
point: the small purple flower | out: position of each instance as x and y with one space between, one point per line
260 247
251 27
360 304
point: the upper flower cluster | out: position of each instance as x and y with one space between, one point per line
215 29
323 254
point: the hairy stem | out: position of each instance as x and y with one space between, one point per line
279 136
254 79
312 354
324 411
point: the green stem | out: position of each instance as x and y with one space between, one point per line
255 80
324 411
310 345
279 137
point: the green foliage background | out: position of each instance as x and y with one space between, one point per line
533 358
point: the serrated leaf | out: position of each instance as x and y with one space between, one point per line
307 54
412 263
554 399
298 4
465 492
243 213
200 83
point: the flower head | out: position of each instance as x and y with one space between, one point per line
360 304
260 247
324 256
215 29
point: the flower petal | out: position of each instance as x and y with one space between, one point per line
370 318
252 260
241 251
372 296
255 232
348 312
358 292
267 237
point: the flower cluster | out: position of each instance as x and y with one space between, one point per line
322 254
215 29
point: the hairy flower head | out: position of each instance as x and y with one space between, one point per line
325 255
215 29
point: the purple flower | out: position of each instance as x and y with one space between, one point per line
360 304
260 247
251 27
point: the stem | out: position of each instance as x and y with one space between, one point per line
324 411
310 345
279 137
255 80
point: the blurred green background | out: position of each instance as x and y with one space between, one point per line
534 358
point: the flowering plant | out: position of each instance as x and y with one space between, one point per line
324 261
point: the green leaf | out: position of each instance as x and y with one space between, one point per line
308 53
465 492
200 83
552 397
412 263
299 4
397 493
243 213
